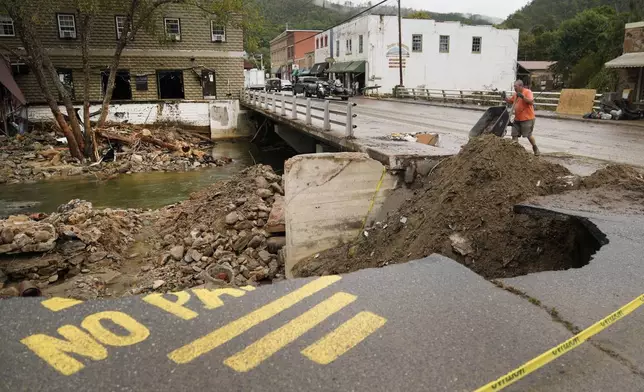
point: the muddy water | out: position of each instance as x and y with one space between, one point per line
139 190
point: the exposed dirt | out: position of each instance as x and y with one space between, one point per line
465 211
618 176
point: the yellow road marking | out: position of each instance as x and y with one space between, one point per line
262 349
344 338
175 307
54 351
137 332
228 332
210 298
56 304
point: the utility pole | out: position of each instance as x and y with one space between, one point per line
400 57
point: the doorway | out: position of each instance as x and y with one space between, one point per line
209 83
122 86
170 84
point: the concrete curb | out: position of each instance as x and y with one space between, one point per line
541 114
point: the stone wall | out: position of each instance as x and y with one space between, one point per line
634 38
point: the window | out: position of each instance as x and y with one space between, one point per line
444 44
360 44
218 32
170 84
172 29
65 77
6 27
349 44
417 43
337 48
290 52
122 86
119 23
476 44
326 41
66 26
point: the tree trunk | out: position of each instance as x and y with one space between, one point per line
91 148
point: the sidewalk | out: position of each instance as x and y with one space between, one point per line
540 113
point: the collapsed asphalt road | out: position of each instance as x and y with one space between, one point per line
425 325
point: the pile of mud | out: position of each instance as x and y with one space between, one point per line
465 211
619 176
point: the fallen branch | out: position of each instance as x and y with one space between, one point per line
132 140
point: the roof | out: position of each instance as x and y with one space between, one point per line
635 25
7 80
537 65
628 60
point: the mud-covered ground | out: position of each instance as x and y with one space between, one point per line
464 210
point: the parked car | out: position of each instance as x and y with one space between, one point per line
287 85
273 84
312 86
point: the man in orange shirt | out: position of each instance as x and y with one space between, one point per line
523 114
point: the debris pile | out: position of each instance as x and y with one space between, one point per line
74 240
622 176
465 211
41 155
223 235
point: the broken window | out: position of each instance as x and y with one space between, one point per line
444 44
172 29
218 32
170 84
66 26
476 44
65 77
6 27
122 87
417 43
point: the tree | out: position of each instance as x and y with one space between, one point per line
142 14
419 15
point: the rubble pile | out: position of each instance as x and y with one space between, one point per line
227 234
74 240
464 210
41 155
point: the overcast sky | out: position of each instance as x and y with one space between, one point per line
498 8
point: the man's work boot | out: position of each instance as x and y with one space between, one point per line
536 150
515 139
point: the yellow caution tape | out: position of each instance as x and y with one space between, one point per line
373 200
570 344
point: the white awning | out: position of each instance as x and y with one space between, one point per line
628 60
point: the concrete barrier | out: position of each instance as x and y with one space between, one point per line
327 198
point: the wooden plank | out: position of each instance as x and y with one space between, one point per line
576 101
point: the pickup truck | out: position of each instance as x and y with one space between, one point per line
312 86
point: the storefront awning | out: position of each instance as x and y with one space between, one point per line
338 67
348 67
628 60
318 68
356 67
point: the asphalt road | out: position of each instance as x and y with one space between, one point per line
430 325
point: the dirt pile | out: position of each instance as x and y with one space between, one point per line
41 155
620 176
465 211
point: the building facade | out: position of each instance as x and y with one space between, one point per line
631 63
289 52
190 57
436 55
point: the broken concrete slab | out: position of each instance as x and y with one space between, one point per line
328 198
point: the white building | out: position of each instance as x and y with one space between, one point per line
436 55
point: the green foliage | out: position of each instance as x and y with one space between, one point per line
419 15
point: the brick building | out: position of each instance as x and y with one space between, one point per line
289 52
190 57
631 63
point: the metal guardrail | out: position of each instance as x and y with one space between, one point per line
548 100
302 109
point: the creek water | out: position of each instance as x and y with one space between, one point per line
138 190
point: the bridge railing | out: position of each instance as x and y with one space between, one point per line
328 117
547 100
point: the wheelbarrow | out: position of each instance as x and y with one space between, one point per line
495 120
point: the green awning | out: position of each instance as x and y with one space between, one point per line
356 67
338 67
